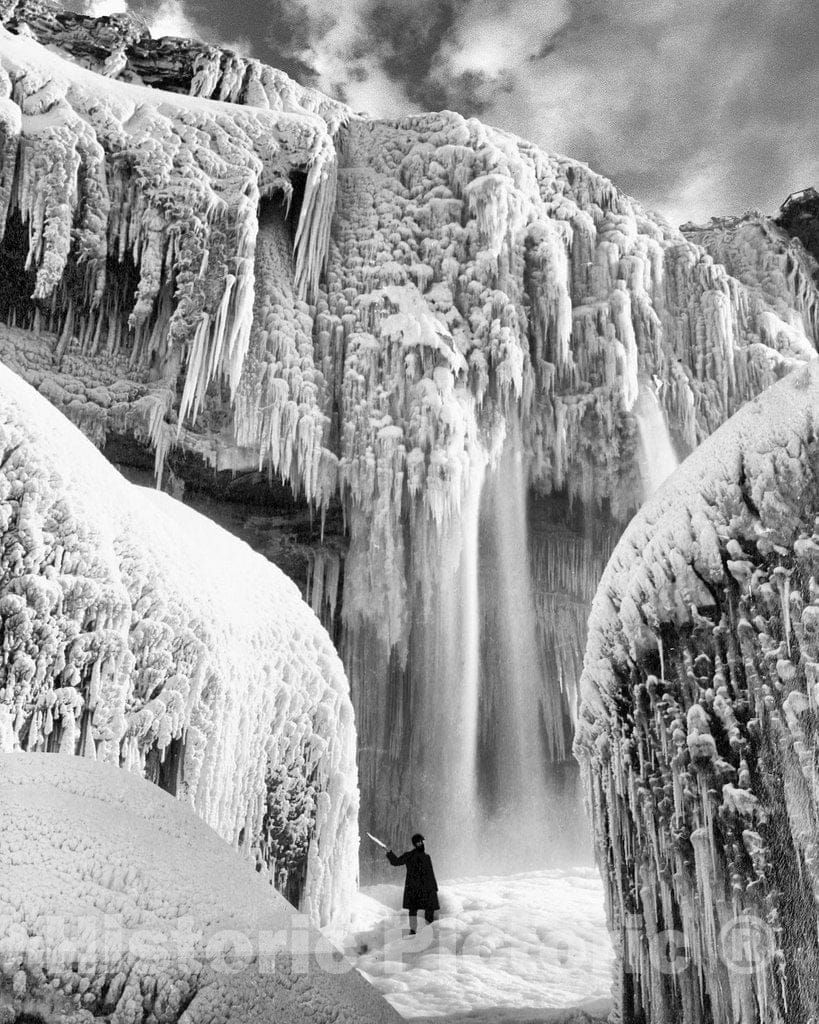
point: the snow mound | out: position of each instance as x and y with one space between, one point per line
137 632
119 904
697 725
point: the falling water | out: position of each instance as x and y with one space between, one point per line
657 458
526 800
485 771
471 625
445 673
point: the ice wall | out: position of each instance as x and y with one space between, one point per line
697 724
156 199
761 254
471 282
138 633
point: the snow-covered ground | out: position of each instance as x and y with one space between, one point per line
118 903
528 947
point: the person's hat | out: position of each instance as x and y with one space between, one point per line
417 838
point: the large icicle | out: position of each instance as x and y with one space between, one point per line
171 183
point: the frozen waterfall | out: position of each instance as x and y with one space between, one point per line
490 725
658 459
446 719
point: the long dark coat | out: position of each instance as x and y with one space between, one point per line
420 888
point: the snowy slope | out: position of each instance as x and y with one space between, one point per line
698 721
119 904
132 624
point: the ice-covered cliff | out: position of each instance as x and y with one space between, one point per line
698 722
420 323
136 632
118 904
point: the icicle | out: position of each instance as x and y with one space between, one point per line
313 231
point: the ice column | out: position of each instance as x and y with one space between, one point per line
471 634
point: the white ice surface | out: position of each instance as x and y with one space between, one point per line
118 903
528 947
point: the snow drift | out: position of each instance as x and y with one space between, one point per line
698 721
119 904
137 632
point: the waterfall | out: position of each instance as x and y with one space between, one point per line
657 457
490 781
474 752
444 669
471 633
528 800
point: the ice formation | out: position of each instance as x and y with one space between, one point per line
480 301
138 633
760 253
118 904
698 722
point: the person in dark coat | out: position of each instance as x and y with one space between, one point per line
420 888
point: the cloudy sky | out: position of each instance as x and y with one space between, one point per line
696 107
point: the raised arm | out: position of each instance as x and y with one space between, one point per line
397 861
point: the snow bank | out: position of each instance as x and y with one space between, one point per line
119 904
137 632
697 725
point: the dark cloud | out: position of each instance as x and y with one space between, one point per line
408 41
408 38
695 108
